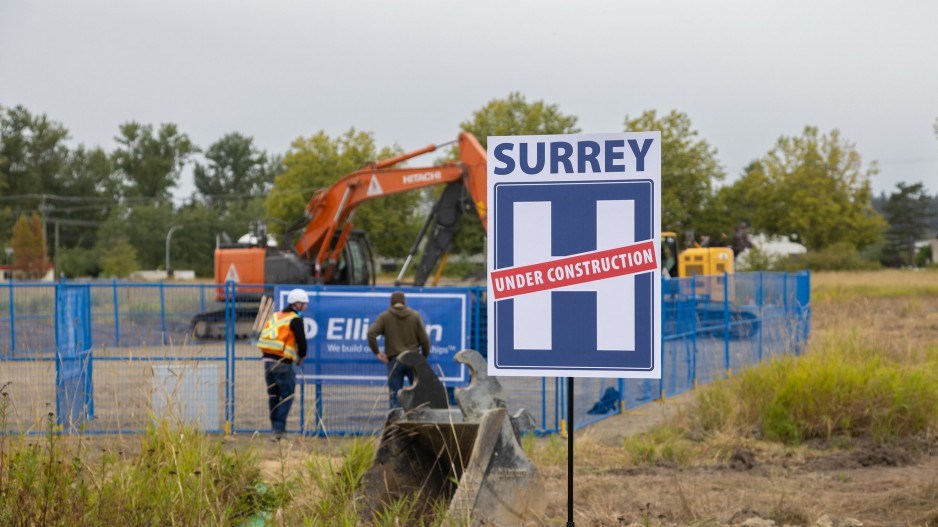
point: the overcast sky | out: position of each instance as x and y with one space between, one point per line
746 72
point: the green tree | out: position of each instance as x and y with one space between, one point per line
28 244
144 227
511 115
32 152
514 115
319 161
149 165
117 257
908 211
815 187
77 262
32 156
736 204
87 196
235 171
193 247
689 167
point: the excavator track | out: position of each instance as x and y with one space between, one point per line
211 324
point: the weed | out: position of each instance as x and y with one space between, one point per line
180 477
844 389
337 483
665 443
553 453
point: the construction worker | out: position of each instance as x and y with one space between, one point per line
403 331
283 343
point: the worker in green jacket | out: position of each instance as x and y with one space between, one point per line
403 331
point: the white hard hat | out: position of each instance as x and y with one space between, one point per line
297 295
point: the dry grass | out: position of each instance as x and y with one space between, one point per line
891 283
668 477
676 476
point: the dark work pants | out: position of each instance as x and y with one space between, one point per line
281 383
397 372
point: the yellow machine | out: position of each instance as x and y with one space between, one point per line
705 285
705 260
693 261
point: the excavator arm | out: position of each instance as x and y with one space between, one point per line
330 210
443 223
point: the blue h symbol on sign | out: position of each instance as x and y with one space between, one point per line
561 329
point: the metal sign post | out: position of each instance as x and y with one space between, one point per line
570 452
573 264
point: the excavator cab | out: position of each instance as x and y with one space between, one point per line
259 268
356 265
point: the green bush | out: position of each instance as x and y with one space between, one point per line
180 477
662 444
42 480
757 260
77 262
838 257
842 391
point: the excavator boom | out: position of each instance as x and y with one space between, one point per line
327 238
329 211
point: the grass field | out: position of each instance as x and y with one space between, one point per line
846 432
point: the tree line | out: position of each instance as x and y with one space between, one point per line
104 213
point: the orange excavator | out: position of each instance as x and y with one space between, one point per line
330 251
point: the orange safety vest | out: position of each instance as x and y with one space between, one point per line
276 337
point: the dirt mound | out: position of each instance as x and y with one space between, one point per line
863 457
742 459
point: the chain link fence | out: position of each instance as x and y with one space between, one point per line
109 357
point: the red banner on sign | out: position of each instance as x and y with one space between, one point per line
571 270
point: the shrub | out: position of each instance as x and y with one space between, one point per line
662 444
838 257
840 391
181 477
77 262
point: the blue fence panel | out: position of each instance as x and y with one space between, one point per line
73 382
145 356
744 324
29 315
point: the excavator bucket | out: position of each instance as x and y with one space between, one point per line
467 461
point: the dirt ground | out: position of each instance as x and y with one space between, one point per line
816 484
748 482
851 483
743 482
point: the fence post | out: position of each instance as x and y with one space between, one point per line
202 298
229 356
55 320
693 318
89 385
804 308
561 407
726 322
661 392
544 402
476 323
117 326
12 320
56 288
558 400
320 409
302 408
760 301
785 310
163 311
